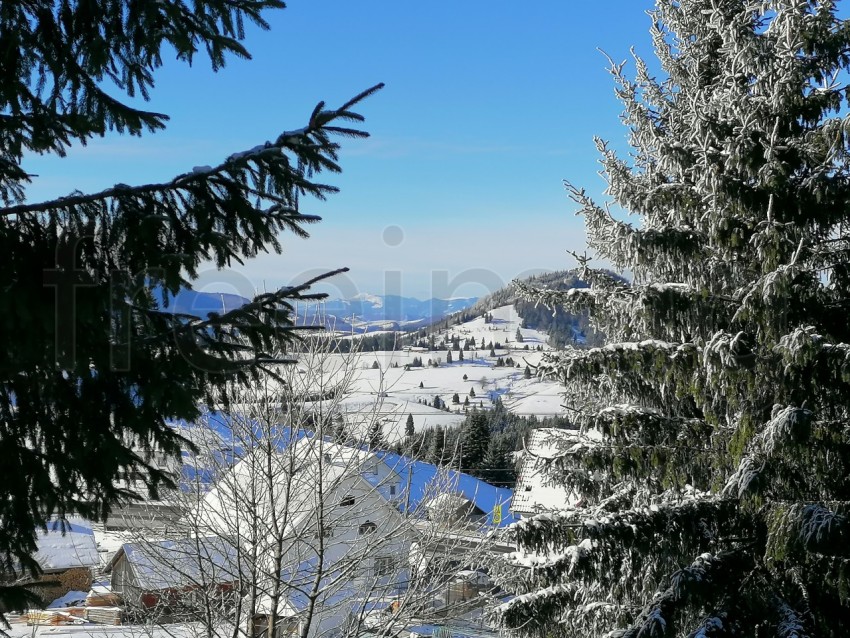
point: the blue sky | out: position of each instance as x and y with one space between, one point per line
488 107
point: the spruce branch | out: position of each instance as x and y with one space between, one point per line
299 140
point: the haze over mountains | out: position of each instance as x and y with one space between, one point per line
391 312
362 313
369 313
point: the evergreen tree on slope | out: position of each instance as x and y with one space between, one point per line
475 437
437 446
92 364
714 468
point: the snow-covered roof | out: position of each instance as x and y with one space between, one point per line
427 481
358 459
534 491
292 489
159 565
304 445
76 547
302 462
448 501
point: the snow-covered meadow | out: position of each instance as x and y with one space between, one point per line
394 389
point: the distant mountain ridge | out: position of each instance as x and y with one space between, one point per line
193 302
394 308
362 313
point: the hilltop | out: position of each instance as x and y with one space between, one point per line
562 328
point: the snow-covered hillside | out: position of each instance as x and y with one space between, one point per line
390 385
396 388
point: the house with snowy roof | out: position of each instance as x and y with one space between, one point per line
344 520
319 528
307 510
425 486
535 490
406 482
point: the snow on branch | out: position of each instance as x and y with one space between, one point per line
542 569
536 610
627 312
801 528
800 348
774 288
716 624
705 578
629 423
574 300
627 247
643 526
634 358
559 604
824 531
788 425
605 233
791 623
745 479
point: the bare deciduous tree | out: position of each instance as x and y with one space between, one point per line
289 524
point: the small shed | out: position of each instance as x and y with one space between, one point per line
171 574
66 553
68 545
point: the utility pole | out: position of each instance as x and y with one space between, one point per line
407 493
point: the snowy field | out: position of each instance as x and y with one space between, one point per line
392 390
19 629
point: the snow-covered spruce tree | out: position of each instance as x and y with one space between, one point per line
712 479
92 365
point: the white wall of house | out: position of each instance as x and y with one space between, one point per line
389 483
535 492
364 564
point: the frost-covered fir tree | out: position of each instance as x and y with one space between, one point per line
712 477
